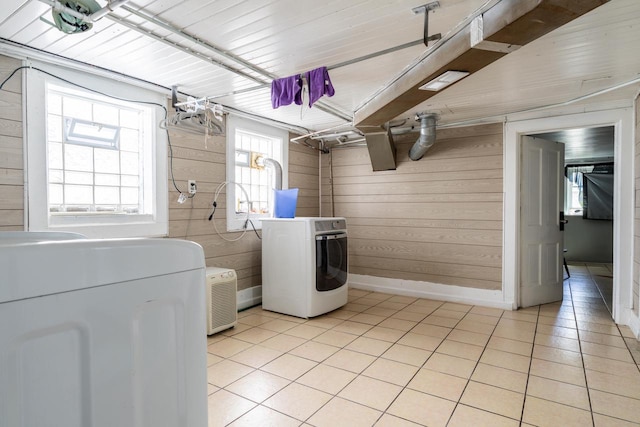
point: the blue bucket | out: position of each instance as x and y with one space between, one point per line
285 203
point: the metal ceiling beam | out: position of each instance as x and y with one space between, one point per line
511 22
216 50
28 53
329 67
199 55
264 78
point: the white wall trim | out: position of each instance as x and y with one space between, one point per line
236 222
435 291
153 223
622 120
249 297
634 325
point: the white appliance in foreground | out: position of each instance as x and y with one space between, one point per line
222 305
102 333
304 265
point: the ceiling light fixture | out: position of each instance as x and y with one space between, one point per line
443 80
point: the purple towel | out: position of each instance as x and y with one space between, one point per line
319 84
286 90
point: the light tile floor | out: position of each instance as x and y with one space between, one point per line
388 360
602 275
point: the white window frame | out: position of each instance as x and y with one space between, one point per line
103 225
236 222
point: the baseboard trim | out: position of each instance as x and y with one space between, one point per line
436 291
634 324
249 297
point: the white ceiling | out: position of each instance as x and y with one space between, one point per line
268 39
585 144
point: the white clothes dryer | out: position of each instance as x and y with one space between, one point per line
304 265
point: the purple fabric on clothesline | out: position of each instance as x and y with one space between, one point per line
319 84
286 90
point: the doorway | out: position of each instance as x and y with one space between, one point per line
588 205
622 122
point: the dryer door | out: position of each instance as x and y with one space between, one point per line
331 261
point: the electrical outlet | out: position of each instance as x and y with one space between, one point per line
192 186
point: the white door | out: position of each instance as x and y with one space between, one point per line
541 237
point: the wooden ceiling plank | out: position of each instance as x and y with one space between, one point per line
516 22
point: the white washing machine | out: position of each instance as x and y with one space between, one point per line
101 333
304 265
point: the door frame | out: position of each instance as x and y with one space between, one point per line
622 120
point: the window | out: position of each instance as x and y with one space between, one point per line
573 194
101 170
590 190
248 144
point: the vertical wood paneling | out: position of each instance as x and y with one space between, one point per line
192 159
435 220
11 150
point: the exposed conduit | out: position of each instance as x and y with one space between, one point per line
427 136
27 53
263 77
329 67
499 117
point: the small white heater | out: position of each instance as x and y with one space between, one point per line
222 288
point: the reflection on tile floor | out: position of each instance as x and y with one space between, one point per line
601 274
388 360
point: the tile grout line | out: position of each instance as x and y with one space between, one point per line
358 375
476 365
526 385
372 362
318 363
626 344
420 367
574 310
584 367
259 369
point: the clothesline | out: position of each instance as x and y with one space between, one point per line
288 90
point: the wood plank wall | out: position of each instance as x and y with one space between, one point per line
636 237
192 160
207 165
11 160
435 220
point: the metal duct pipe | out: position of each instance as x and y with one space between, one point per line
427 136
278 170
